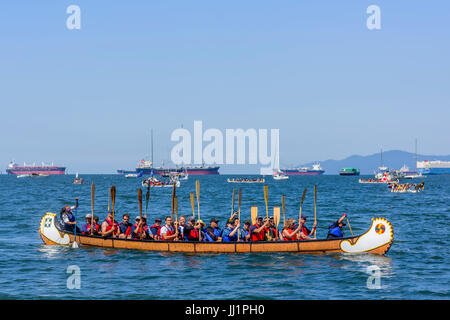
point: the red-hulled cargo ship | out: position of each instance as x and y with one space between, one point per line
13 168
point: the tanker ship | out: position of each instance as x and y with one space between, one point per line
147 168
44 169
315 170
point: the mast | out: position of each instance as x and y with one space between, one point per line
152 144
381 157
415 153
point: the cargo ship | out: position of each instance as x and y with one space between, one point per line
147 168
43 169
435 167
349 172
315 170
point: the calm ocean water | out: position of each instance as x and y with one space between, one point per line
416 267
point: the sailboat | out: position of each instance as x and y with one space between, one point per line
78 180
278 174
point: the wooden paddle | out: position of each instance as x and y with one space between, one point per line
283 205
147 197
239 204
266 199
113 201
301 204
315 208
92 206
176 209
192 204
349 226
276 218
140 210
75 243
232 203
109 197
197 191
254 214
173 198
239 208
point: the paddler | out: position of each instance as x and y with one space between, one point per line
86 227
155 230
335 229
289 230
125 227
107 226
305 233
68 217
168 231
257 230
245 231
213 232
139 229
230 233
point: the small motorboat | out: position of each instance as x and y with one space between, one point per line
134 175
280 175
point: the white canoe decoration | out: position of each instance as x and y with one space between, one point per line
47 229
380 233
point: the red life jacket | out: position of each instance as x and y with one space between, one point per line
96 228
293 237
305 231
193 235
109 227
170 232
257 236
128 231
158 233
139 232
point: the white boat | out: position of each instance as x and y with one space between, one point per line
280 175
134 175
24 175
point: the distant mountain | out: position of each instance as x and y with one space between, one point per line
393 159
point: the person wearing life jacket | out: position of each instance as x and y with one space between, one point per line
190 233
155 230
169 232
305 233
289 230
97 227
181 226
139 230
86 227
230 233
125 227
257 230
335 229
213 232
108 229
271 232
245 231
68 218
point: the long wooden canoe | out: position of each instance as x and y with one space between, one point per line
378 239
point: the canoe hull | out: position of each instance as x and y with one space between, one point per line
372 241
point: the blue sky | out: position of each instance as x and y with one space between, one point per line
88 98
